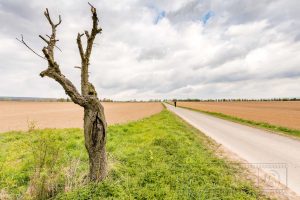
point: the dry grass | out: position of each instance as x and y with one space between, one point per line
4 195
18 115
285 113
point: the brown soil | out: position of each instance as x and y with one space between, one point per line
19 115
281 113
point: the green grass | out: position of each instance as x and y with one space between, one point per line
160 157
263 125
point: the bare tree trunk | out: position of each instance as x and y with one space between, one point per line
95 139
95 127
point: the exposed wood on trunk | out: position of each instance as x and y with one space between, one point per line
95 139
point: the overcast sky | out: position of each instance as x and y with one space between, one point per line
159 48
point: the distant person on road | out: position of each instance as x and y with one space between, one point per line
175 102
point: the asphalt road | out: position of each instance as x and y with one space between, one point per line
275 154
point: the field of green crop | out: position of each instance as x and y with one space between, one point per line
160 157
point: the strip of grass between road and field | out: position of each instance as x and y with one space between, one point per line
262 125
159 157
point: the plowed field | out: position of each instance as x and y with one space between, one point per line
19 115
280 113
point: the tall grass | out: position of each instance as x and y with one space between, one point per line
41 163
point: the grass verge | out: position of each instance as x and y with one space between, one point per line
160 157
263 125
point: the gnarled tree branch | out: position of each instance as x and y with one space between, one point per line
85 55
68 86
23 42
53 70
79 44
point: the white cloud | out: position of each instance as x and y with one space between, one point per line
244 49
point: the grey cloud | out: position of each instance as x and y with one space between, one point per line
191 11
156 53
178 57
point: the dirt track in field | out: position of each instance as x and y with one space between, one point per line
17 115
281 113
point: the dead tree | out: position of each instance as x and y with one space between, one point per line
95 126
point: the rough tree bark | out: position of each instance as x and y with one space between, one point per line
95 126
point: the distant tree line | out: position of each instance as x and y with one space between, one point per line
35 99
233 100
141 101
106 100
150 100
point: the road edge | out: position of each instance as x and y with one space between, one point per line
271 131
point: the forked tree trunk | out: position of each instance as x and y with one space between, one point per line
95 126
95 139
